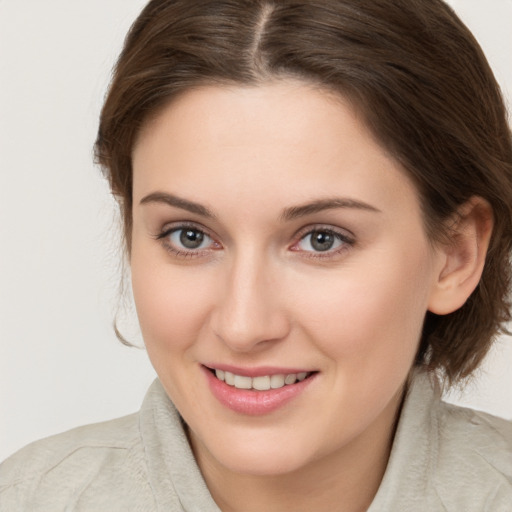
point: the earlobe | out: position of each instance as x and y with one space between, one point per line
462 259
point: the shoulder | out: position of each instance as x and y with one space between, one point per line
471 434
91 455
40 456
473 452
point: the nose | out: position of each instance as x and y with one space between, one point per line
250 313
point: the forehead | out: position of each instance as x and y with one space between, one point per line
272 112
277 140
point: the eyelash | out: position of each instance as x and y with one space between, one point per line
345 240
184 253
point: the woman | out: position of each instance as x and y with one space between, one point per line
317 205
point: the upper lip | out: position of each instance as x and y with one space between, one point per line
258 371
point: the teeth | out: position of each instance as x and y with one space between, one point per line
276 381
262 383
290 379
243 382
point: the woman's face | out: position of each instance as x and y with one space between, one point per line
276 242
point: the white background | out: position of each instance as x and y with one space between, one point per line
60 363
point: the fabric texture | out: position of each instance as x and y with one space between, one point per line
444 458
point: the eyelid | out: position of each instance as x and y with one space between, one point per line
347 238
169 228
175 226
342 232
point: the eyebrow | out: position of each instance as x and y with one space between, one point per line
320 205
291 213
178 202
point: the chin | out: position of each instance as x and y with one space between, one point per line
263 464
263 455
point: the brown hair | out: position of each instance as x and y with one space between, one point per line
411 67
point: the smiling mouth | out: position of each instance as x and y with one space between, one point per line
261 383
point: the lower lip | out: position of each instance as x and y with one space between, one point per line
254 403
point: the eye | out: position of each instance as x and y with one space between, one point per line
187 240
322 241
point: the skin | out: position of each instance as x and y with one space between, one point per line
257 293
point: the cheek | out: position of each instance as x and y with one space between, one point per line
369 309
171 305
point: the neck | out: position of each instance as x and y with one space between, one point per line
343 481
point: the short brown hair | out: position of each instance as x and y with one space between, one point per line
412 69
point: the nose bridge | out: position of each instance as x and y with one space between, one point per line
249 311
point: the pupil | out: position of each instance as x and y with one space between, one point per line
321 240
191 239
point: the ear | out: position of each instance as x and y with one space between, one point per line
462 259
